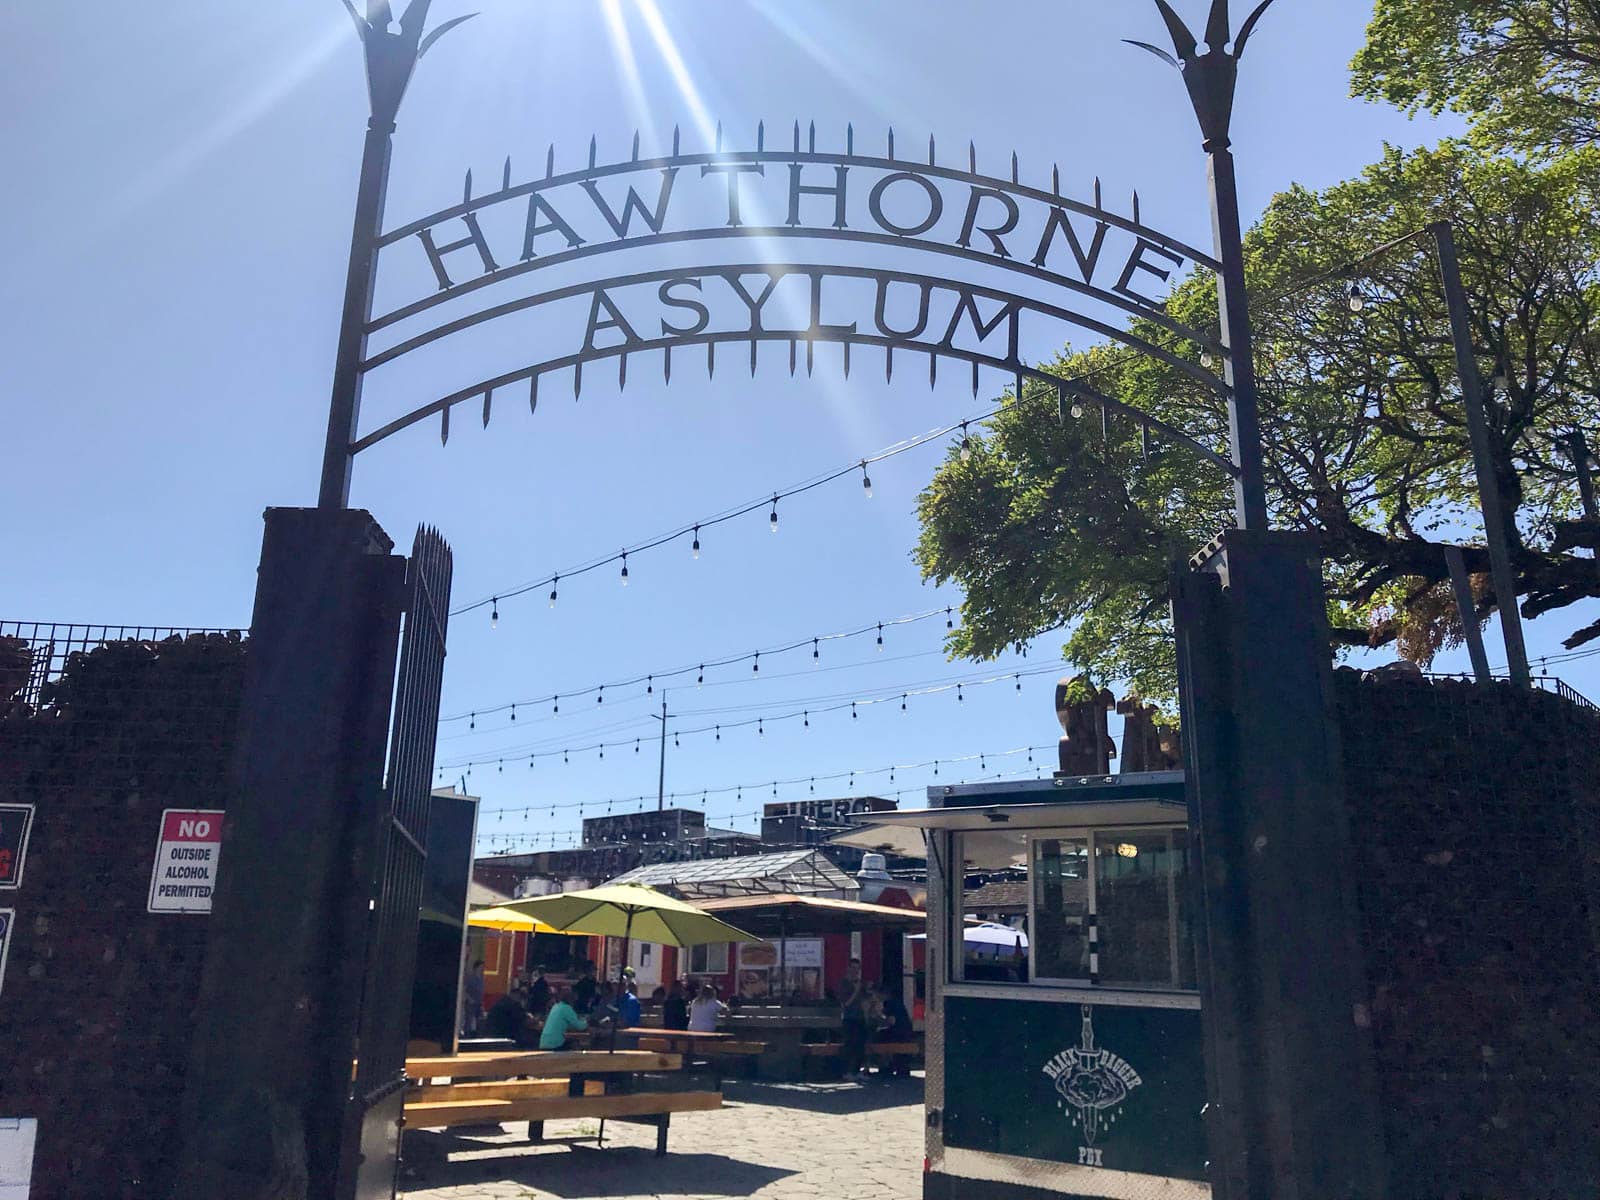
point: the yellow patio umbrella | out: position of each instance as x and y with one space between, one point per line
506 920
629 910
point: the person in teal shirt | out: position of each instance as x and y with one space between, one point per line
559 1021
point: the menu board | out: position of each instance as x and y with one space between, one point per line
800 961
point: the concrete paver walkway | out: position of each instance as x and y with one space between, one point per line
771 1141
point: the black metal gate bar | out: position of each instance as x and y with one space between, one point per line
369 1160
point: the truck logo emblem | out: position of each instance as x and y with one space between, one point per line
1094 1082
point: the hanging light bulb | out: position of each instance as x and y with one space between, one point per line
966 444
949 619
694 550
755 668
494 613
624 575
959 696
816 651
1077 410
1207 359
880 637
807 717
554 583
1357 301
772 518
649 685
472 723
700 678
555 704
853 714
1018 678
866 480
902 702
600 694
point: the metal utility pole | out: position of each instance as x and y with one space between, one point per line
1496 530
661 777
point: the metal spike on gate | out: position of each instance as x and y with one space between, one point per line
1055 179
533 392
1098 203
488 401
1136 220
666 364
972 158
797 135
592 151
850 138
577 380
933 368
550 161
761 136
811 139
1019 385
811 357
888 364
622 371
719 137
635 146
466 188
1014 170
932 162
753 345
444 426
505 175
891 143
974 381
711 359
1144 440
794 347
676 136
847 360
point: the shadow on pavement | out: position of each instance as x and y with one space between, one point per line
578 1171
836 1099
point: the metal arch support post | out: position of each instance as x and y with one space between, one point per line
1496 530
392 50
1233 308
345 408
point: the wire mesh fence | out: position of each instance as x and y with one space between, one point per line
34 654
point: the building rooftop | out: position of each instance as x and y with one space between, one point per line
787 872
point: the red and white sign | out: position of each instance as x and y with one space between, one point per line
186 861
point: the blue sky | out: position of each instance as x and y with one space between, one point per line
178 191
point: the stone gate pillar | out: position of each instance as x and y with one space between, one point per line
1292 1112
275 1026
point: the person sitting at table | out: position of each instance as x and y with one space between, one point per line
675 1008
895 1026
585 990
628 1014
508 1018
538 991
561 1020
705 1010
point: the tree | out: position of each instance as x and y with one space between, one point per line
1525 72
1053 524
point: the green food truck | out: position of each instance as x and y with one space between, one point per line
1064 1050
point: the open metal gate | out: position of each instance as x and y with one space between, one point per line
369 1160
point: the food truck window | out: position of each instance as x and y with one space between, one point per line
994 912
1140 887
1060 928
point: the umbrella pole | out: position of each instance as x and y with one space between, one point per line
622 974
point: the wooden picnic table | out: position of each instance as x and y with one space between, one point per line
540 1085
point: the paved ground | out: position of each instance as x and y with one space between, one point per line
827 1141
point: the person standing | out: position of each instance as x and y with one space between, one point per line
473 999
585 990
853 1017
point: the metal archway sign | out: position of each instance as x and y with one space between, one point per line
984 255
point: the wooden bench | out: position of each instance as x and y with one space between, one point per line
540 1086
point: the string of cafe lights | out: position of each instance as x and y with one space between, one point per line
754 658
771 786
854 705
694 528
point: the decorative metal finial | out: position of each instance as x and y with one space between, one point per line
1210 77
393 51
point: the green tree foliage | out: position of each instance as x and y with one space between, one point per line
1051 524
1525 72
